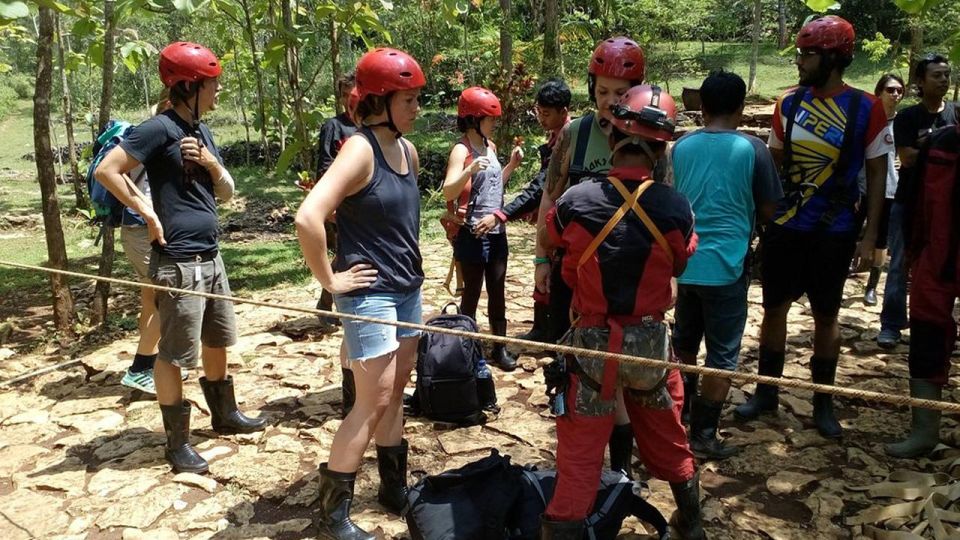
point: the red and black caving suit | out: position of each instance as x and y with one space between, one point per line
933 238
624 285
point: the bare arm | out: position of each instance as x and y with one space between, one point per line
348 174
457 174
876 169
112 174
908 155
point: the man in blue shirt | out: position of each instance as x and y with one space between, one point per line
729 177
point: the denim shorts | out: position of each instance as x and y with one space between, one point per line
717 313
371 340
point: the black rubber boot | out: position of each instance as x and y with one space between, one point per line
690 381
824 372
688 519
621 449
348 389
224 415
336 495
500 356
924 423
704 419
182 456
870 293
766 398
541 324
392 464
561 530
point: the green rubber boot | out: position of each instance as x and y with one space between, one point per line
924 424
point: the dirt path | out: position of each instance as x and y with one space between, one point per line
81 457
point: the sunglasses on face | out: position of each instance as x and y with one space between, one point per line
807 53
893 90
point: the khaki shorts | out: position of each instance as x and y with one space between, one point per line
136 246
187 321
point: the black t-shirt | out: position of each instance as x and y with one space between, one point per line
187 210
914 122
333 134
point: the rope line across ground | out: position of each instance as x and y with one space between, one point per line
850 393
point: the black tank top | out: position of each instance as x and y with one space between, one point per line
380 226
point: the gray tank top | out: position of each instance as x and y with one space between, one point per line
486 193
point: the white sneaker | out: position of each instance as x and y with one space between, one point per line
142 381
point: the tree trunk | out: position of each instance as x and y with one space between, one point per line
916 41
102 293
551 39
335 62
258 74
243 109
755 48
293 78
68 122
109 42
783 37
53 228
506 38
278 116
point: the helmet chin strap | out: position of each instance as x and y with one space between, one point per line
639 142
389 122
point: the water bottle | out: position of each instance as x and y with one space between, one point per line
486 390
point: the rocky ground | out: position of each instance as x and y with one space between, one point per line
81 457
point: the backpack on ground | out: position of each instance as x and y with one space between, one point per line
469 503
448 386
107 209
615 501
494 499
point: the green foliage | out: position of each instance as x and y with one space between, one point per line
821 6
12 10
877 48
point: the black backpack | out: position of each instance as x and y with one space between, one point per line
615 501
448 388
491 499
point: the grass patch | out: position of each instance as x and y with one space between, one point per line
257 266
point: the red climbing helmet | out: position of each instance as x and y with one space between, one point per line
830 33
619 58
478 101
383 71
647 112
184 61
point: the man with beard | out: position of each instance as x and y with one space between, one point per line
824 132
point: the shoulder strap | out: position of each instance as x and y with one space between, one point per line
849 133
796 98
839 194
629 203
642 214
583 139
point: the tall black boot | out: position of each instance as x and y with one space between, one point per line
688 520
176 424
392 464
500 356
561 530
766 398
224 415
824 372
690 381
541 324
336 495
870 293
621 449
348 388
704 419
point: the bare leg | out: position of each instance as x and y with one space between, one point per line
389 431
149 323
166 376
214 363
375 380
